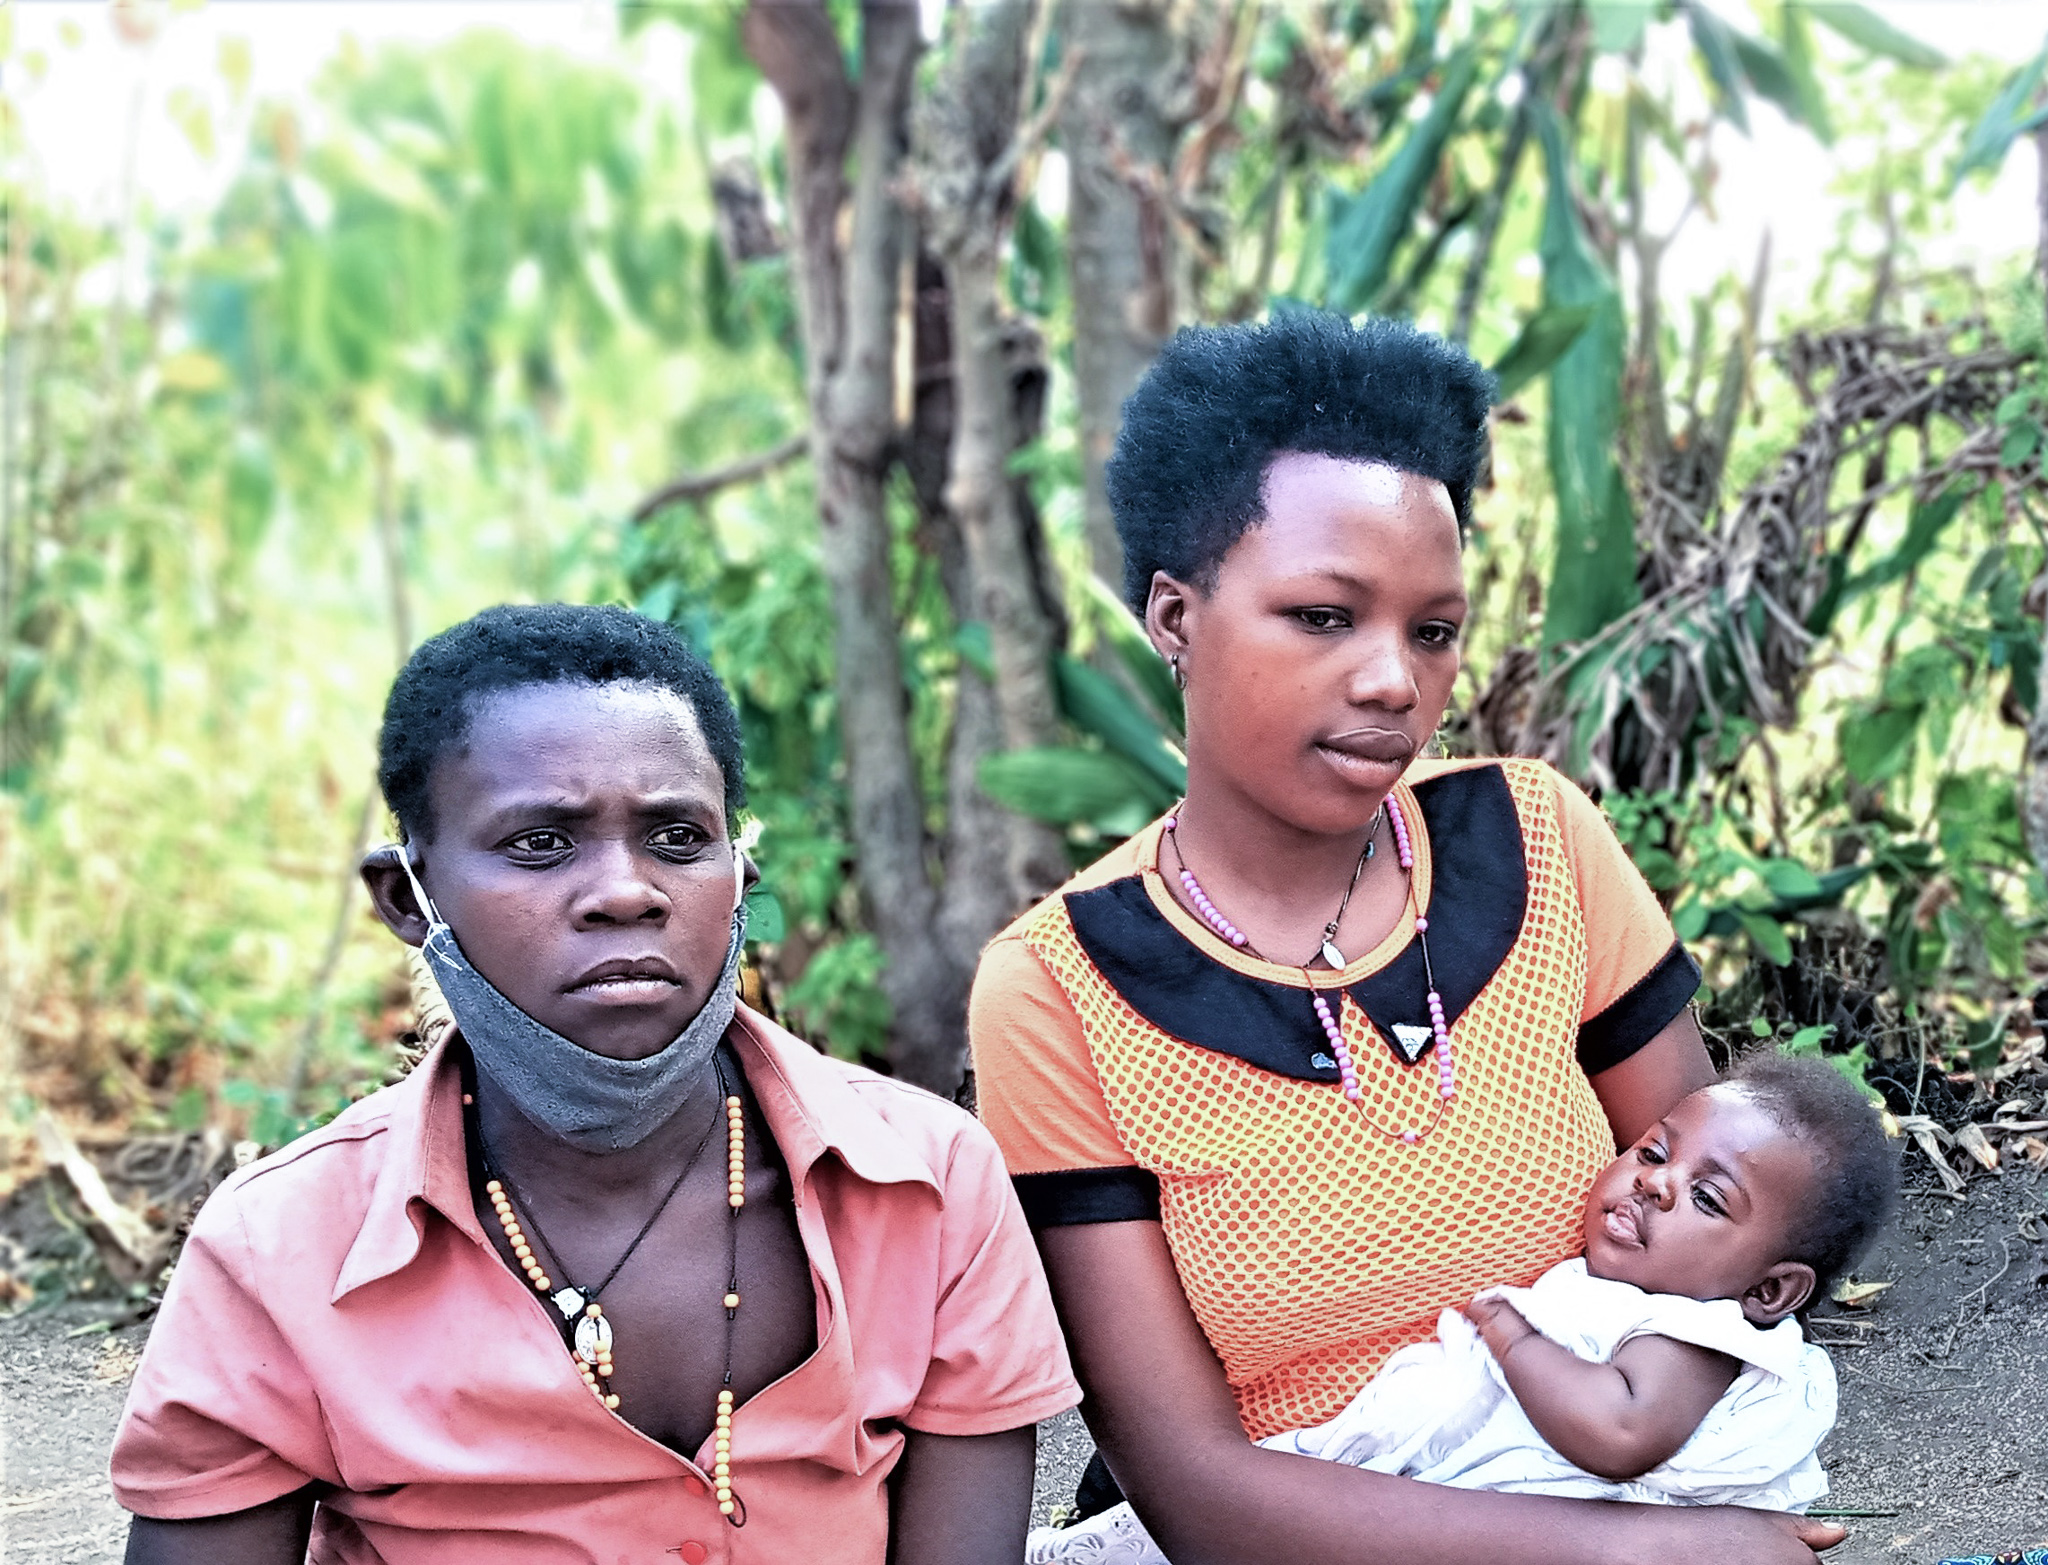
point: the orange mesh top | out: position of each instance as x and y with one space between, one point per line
1120 1048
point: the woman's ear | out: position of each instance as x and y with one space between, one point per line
391 895
1166 616
1783 1290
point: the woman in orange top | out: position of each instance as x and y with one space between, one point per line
1349 1034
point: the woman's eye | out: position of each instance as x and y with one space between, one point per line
1438 634
1322 619
678 840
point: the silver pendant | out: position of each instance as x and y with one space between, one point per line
1411 1040
592 1332
568 1301
1331 954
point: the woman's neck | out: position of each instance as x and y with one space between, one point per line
1276 880
537 1160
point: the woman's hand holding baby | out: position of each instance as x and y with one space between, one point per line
1623 1418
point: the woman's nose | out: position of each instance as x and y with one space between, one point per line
1384 675
619 890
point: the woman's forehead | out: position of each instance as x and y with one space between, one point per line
622 734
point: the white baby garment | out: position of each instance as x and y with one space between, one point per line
1441 1411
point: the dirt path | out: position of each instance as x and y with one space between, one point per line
1942 1432
60 1397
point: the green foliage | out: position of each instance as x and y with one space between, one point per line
1544 339
1872 33
453 318
1365 229
2011 115
839 1001
1593 576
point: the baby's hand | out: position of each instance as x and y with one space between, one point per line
1500 1324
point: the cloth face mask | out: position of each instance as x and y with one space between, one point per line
592 1102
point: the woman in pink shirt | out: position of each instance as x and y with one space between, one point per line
622 1272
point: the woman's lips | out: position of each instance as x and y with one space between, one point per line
1372 744
624 990
646 980
1372 755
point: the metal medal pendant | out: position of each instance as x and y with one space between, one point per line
1331 954
593 1332
1410 1040
568 1301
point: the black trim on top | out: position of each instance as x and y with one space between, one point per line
1070 1196
1479 893
1645 1010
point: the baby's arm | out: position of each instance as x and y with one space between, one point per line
1617 1419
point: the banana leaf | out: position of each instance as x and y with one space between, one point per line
1618 25
1715 40
1874 35
1096 704
1542 341
1811 104
1593 574
1366 229
1126 637
2006 120
1064 785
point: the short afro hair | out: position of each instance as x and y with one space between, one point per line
1187 478
1856 1174
436 694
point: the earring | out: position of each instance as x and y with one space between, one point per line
1180 680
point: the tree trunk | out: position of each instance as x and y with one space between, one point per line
849 315
1112 125
976 897
968 130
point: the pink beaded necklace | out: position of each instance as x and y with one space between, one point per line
1347 1069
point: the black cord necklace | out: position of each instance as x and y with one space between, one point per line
586 1330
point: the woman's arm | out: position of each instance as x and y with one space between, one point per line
961 1499
1642 1088
1617 1419
1160 1409
272 1534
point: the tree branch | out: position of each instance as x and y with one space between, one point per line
694 487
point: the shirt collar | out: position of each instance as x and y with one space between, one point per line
809 1101
813 1107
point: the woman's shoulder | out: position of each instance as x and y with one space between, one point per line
1521 771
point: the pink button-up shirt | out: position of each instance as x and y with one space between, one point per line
338 1316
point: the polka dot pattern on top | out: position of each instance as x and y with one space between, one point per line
1311 1245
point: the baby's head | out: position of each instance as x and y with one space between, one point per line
1763 1188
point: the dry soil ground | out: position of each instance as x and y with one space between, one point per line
1942 1446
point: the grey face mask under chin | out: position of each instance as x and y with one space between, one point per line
592 1102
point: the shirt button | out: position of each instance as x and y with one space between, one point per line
694 1553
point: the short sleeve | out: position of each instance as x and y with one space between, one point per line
1638 975
1036 1090
222 1414
999 1360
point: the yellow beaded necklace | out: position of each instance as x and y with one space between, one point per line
591 1333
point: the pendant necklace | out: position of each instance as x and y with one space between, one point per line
588 1332
1410 1042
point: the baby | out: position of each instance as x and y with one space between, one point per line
1665 1366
